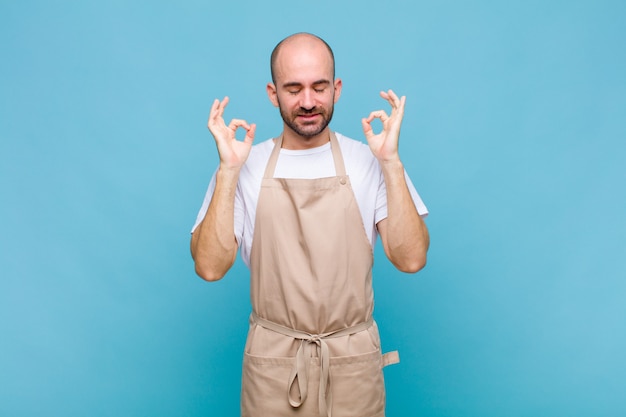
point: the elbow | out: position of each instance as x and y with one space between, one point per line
417 261
210 268
208 274
411 265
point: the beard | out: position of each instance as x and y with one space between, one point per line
307 129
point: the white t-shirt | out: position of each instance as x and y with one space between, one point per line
362 167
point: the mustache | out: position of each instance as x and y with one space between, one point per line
313 110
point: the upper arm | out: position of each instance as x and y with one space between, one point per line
381 226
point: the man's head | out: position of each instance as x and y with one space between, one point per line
304 87
312 37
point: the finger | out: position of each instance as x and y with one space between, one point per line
237 123
367 128
378 114
250 134
221 106
392 98
224 103
213 111
214 108
217 110
399 108
402 103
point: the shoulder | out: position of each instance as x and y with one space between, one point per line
262 149
357 155
353 146
259 154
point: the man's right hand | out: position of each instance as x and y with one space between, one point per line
213 243
233 153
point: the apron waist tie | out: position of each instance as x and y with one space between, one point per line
300 370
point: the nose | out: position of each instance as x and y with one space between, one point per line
307 101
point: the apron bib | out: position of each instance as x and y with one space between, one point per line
313 348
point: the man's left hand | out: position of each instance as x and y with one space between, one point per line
384 145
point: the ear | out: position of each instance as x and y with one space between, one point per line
272 93
337 85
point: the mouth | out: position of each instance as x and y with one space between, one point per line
308 117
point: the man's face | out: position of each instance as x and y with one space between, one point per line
307 120
305 91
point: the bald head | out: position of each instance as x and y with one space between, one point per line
299 42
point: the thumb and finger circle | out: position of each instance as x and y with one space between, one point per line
237 123
378 114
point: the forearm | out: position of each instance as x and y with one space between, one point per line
213 243
404 233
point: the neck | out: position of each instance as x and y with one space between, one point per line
294 141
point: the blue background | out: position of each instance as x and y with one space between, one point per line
514 135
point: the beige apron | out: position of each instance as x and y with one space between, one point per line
312 348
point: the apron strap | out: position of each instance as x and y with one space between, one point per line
271 163
391 358
340 169
300 370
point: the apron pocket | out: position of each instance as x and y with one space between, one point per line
264 388
358 385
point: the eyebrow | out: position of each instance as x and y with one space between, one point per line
297 84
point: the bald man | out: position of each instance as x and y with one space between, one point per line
305 210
